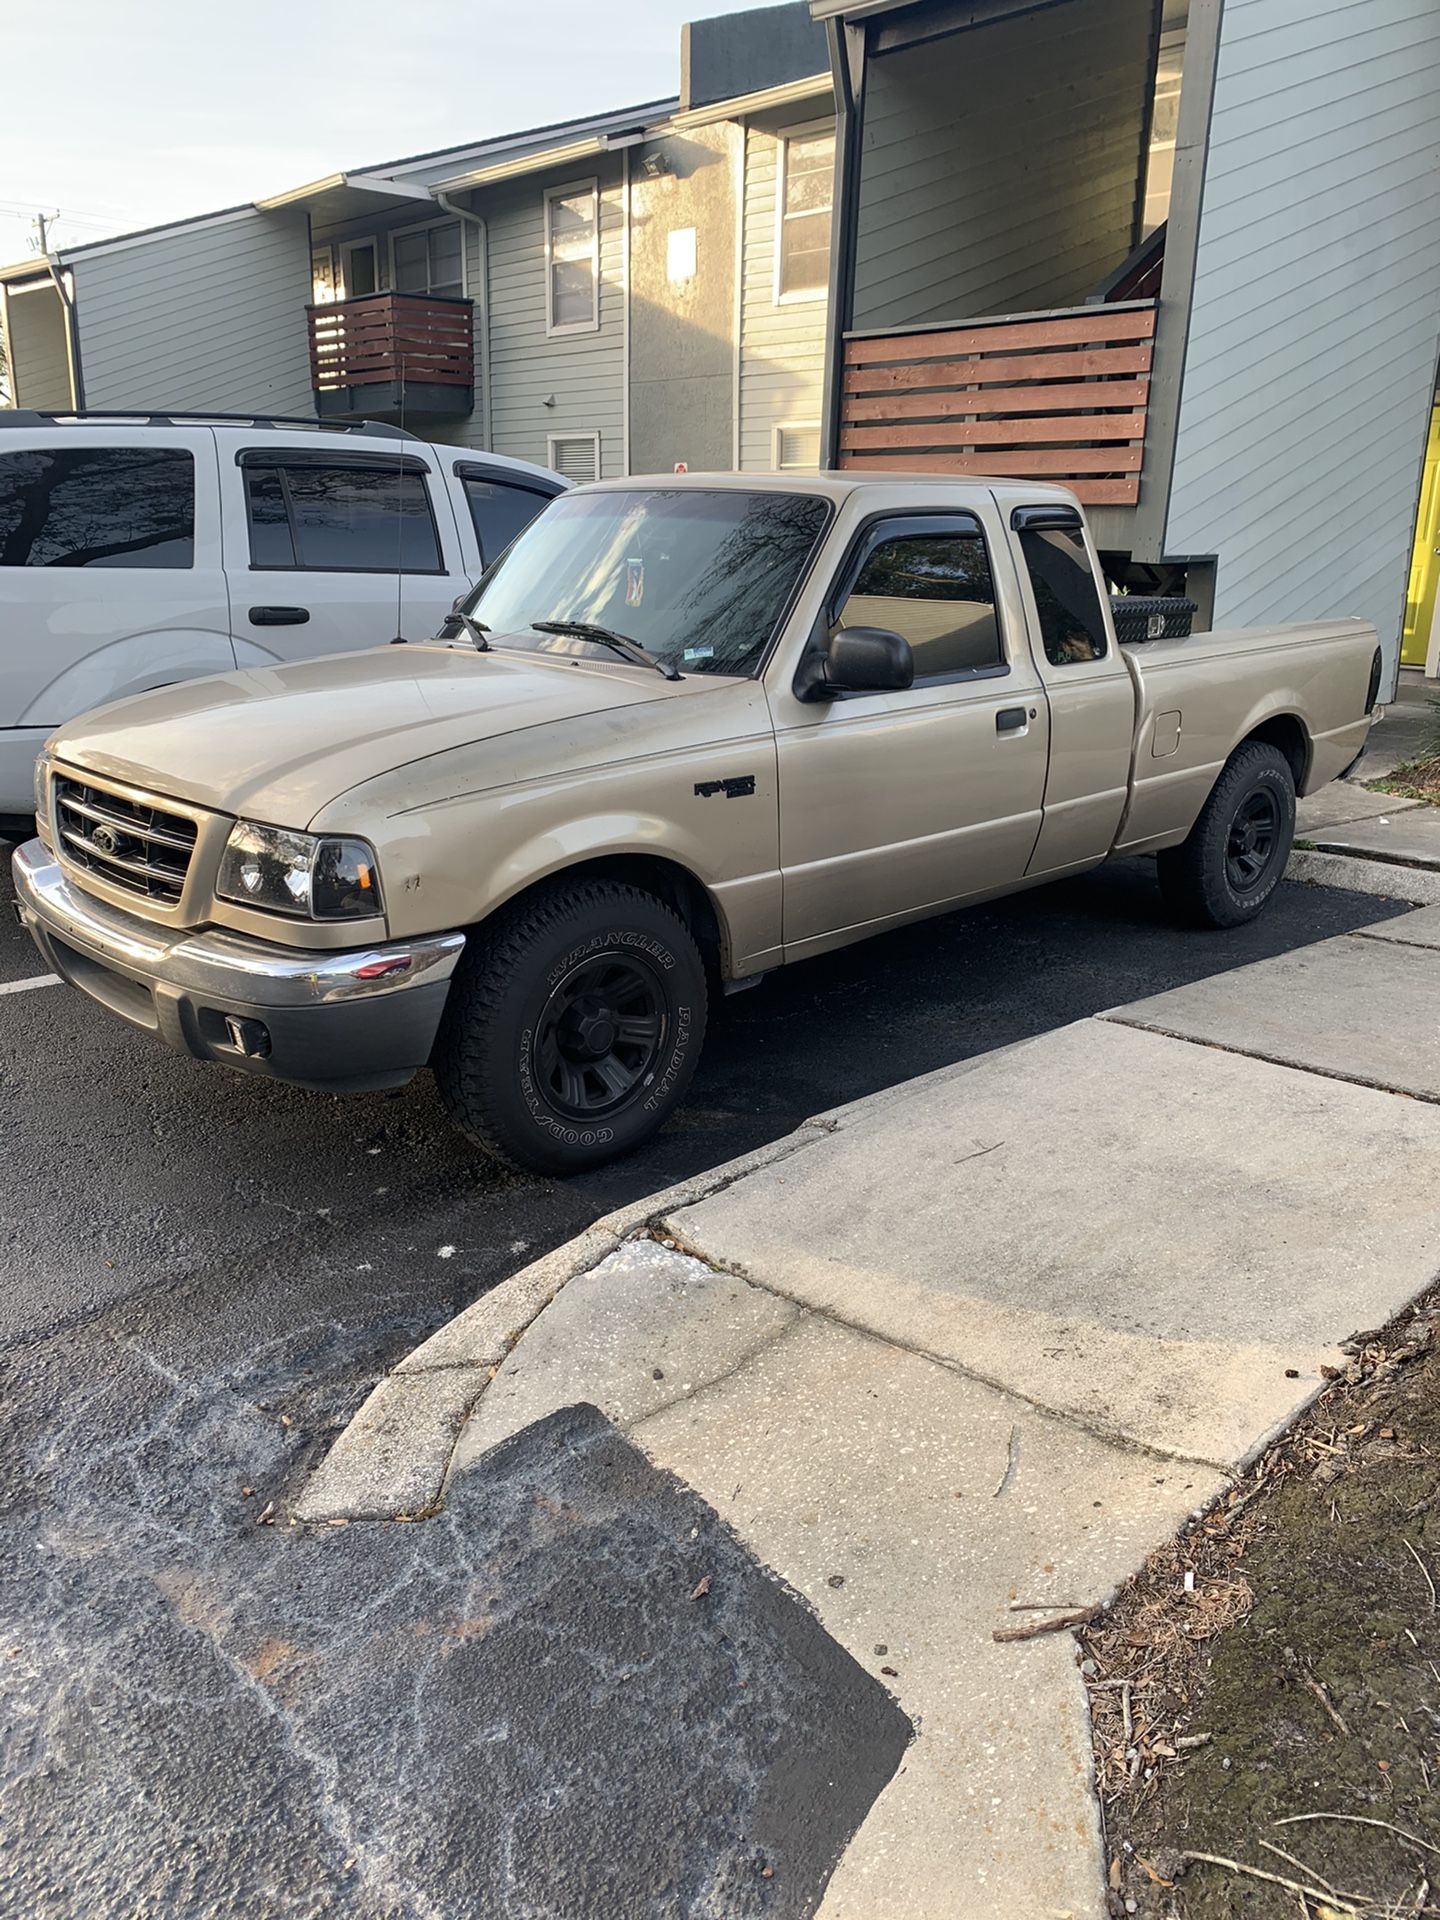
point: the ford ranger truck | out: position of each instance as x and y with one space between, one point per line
685 731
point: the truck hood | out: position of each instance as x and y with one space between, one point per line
277 743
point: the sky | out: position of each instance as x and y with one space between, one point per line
152 110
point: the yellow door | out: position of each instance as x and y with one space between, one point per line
1425 567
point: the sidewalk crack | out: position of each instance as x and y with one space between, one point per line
806 1309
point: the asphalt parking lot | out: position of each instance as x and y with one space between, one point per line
205 1274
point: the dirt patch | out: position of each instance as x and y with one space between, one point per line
1281 1660
1415 780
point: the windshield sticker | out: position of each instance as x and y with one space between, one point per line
634 582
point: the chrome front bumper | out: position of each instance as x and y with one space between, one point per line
342 1021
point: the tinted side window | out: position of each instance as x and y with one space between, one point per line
499 513
342 519
935 589
1072 621
97 507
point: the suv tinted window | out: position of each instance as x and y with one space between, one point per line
934 589
1072 621
340 519
500 512
97 507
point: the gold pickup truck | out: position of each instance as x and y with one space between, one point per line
684 731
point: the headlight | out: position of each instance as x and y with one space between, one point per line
313 877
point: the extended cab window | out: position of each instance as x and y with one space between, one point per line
350 518
936 591
97 507
1072 621
499 512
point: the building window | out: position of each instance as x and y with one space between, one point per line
576 455
428 260
797 449
1160 162
572 258
805 182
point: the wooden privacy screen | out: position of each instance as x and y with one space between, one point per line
408 337
1054 396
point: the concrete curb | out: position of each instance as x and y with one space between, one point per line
392 1461
1384 878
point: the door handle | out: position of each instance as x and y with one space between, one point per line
1009 719
279 616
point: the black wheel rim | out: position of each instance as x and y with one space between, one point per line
599 1036
1254 836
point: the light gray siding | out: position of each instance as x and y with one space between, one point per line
1000 165
583 374
210 316
1311 361
782 343
35 342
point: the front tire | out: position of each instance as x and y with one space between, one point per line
573 1026
1224 873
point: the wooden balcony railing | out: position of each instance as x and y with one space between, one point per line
394 340
1048 396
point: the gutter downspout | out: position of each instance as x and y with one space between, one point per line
72 335
482 226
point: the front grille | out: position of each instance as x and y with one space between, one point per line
130 843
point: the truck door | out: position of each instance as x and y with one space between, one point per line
1091 695
893 803
332 547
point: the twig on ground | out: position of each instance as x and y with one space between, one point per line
1360 1820
1313 1894
1128 1723
1043 1606
1332 1891
1079 1617
1012 1461
1423 1568
1329 1705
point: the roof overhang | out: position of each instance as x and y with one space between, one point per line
541 160
814 86
343 196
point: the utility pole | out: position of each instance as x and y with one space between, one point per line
42 232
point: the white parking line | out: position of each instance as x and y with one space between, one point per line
24 986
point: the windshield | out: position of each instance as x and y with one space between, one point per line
699 578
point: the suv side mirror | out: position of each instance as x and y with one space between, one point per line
856 660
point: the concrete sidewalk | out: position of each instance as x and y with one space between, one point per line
982 1343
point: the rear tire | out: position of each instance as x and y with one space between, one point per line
573 1025
1224 873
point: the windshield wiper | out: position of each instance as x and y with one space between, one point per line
477 631
607 637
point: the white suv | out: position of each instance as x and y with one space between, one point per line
136 550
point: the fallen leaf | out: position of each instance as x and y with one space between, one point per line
701 1587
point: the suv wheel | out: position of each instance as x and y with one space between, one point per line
573 1026
1235 855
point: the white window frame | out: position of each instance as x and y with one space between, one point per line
792 426
423 226
347 247
803 296
575 433
592 325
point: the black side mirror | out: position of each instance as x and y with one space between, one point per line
856 660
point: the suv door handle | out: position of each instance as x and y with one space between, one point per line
1009 719
279 616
